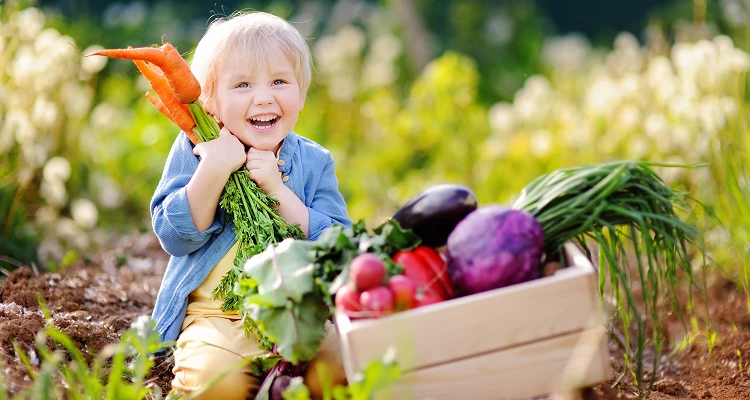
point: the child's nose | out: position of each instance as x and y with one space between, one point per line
263 97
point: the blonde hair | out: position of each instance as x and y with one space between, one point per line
248 35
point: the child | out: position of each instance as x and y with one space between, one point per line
254 70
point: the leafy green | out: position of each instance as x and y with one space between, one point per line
287 290
297 328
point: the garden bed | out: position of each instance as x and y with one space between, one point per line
95 302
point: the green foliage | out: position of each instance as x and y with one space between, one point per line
376 379
287 290
118 372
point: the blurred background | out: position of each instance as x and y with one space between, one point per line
406 94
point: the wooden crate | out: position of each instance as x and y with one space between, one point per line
516 342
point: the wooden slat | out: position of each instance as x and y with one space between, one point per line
477 324
516 373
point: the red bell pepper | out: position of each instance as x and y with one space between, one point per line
427 269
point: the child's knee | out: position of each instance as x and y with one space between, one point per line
214 373
327 367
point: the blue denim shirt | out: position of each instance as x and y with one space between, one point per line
312 178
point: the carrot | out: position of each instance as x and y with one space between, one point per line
163 109
177 110
180 78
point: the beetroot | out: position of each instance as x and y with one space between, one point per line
493 247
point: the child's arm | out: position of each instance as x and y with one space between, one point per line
328 205
219 158
170 210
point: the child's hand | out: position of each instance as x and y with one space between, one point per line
264 170
225 153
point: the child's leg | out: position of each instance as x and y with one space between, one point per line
327 364
197 363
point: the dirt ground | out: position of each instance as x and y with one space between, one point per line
95 301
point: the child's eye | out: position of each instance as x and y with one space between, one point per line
242 85
279 82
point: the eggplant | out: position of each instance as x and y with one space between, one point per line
433 214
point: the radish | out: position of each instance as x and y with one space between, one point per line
378 301
348 300
425 298
403 290
367 271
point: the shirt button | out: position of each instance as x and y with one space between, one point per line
281 163
286 178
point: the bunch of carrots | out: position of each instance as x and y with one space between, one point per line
257 222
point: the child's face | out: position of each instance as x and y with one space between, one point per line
262 108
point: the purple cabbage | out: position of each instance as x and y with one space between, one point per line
493 247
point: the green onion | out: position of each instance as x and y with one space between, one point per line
613 204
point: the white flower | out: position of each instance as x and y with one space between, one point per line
84 213
45 113
46 215
656 126
93 64
25 175
566 53
729 106
57 169
77 99
22 70
739 61
108 191
17 122
638 147
54 192
630 85
326 52
502 119
28 22
342 88
47 41
734 13
378 73
36 152
724 44
104 117
603 97
387 47
659 69
540 143
66 228
629 118
711 115
351 40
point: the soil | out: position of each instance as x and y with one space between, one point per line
94 301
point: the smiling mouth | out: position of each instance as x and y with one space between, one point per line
264 122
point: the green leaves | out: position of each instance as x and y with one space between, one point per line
614 204
284 307
282 272
287 290
377 377
297 328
